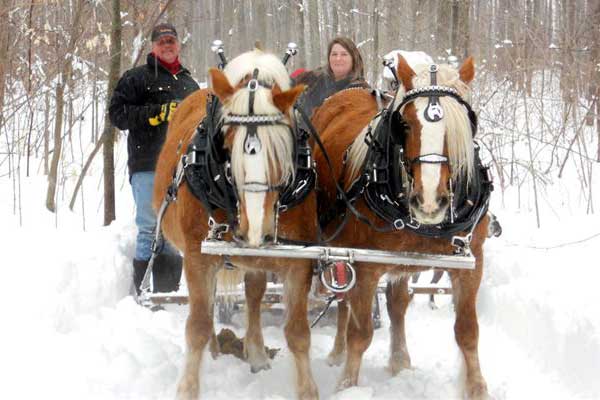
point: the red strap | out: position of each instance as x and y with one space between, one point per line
341 277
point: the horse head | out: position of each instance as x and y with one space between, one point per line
437 135
256 98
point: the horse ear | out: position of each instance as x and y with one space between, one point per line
284 100
405 73
467 70
220 84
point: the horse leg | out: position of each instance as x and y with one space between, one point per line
398 299
297 330
255 284
200 273
336 356
360 324
466 328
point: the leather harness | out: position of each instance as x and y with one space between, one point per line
207 163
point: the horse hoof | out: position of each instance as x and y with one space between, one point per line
345 383
310 394
478 391
262 367
187 391
335 359
214 348
394 367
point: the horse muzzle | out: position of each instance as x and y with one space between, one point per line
429 212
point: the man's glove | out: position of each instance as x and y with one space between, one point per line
166 113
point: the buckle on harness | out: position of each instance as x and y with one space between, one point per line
413 224
301 186
462 244
216 230
253 85
191 158
399 224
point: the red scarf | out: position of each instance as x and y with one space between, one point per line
173 67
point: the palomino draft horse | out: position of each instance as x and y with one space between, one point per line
413 172
253 131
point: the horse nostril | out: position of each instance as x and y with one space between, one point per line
415 200
268 239
443 200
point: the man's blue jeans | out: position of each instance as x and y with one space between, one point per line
142 184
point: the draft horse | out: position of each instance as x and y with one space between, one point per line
244 154
412 172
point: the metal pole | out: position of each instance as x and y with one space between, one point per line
326 254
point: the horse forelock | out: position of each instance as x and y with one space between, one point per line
456 123
270 69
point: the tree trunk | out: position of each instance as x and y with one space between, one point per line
595 73
109 131
375 64
64 78
46 134
443 22
4 52
304 52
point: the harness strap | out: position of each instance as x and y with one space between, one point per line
361 217
440 91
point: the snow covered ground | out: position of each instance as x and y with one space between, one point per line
71 331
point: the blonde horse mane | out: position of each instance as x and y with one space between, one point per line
459 136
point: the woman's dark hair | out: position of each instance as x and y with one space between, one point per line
358 71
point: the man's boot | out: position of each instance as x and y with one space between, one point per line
139 269
166 272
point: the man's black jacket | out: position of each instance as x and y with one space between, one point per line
138 97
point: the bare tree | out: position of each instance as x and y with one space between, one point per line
109 131
64 75
4 52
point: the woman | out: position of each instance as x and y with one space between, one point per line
344 70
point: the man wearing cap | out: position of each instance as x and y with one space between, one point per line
143 103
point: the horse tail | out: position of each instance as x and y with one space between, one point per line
228 283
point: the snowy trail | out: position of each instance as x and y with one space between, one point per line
71 331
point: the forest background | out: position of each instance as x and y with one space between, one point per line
536 89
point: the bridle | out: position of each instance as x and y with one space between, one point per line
384 190
251 121
433 113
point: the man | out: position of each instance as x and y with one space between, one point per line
143 103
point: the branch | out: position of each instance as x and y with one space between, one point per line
137 59
87 165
